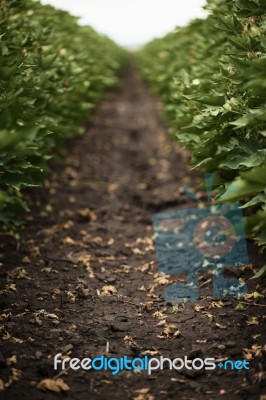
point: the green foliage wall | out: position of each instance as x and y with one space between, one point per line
52 74
211 76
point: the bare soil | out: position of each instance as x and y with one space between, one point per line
83 279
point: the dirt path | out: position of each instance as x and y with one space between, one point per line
84 280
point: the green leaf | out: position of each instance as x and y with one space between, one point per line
240 307
256 175
240 189
259 199
261 273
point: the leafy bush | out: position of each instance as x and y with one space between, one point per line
52 74
211 76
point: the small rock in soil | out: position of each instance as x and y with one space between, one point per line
67 348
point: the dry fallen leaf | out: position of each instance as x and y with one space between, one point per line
161 323
25 260
123 269
14 377
147 242
170 331
88 214
248 356
67 241
221 326
68 224
129 341
112 187
255 295
110 242
255 351
72 200
198 308
136 250
18 273
147 306
143 391
162 279
217 304
206 314
85 260
71 296
252 321
54 385
146 267
11 360
97 240
159 315
201 341
8 337
150 353
143 394
142 186
48 270
11 287
260 377
107 290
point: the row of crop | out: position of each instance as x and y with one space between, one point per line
211 76
52 74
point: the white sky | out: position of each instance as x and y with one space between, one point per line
132 22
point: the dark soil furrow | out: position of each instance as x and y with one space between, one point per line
84 282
